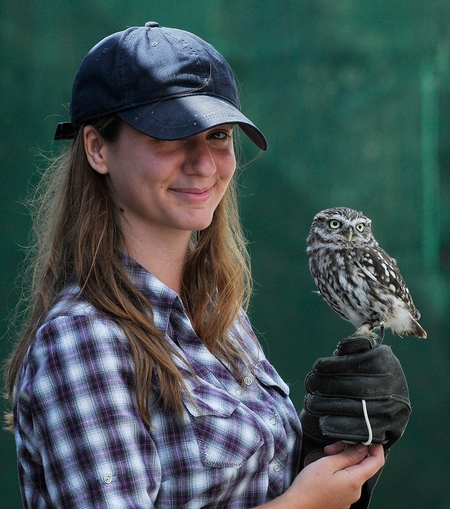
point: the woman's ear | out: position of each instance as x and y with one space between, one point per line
95 149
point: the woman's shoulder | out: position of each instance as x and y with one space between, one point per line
70 302
74 320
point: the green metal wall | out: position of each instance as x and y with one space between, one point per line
354 98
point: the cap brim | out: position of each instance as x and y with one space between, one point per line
181 117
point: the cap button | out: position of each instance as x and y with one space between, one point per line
152 24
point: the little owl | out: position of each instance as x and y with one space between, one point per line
357 278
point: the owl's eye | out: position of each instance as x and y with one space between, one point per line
360 227
334 224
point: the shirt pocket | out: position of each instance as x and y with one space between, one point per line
268 377
228 434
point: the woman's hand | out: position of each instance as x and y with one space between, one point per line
333 481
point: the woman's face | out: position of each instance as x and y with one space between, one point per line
171 187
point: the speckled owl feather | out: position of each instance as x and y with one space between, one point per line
356 277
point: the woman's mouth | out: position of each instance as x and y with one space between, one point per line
193 194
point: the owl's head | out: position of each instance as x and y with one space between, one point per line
341 225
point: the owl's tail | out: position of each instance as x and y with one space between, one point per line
416 330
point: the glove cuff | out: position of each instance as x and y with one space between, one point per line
312 450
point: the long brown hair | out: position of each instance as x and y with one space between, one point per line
76 237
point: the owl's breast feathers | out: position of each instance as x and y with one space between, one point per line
364 286
383 273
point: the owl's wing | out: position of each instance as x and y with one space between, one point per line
383 272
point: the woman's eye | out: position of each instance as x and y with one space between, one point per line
334 223
219 135
360 227
222 132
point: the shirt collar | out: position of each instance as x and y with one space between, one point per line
162 298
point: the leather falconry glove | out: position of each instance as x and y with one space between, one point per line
360 369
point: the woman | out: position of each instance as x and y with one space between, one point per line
139 381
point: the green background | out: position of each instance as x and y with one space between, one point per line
354 98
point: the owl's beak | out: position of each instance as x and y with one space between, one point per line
350 234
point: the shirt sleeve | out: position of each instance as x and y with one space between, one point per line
84 444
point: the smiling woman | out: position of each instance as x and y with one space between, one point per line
164 185
138 377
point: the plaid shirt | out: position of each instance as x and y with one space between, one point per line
81 442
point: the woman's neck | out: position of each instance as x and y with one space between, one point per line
163 256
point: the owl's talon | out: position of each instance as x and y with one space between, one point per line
382 331
366 330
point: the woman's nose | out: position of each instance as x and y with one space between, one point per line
199 158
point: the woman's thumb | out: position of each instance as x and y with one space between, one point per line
352 456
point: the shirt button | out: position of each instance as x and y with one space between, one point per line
273 421
221 410
277 467
248 380
238 392
107 479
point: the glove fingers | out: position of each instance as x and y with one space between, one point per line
345 419
348 385
355 429
383 407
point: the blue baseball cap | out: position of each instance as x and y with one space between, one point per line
165 82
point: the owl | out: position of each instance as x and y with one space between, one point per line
356 277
